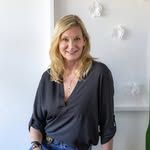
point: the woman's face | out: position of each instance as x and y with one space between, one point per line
71 44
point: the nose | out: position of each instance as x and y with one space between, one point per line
71 44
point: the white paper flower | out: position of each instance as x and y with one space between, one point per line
96 9
118 32
133 88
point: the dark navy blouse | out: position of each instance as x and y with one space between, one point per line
88 113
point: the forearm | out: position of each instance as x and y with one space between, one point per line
108 145
35 135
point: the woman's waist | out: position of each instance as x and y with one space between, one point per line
58 142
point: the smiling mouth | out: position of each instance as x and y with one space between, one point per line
72 52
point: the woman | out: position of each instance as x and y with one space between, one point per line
74 101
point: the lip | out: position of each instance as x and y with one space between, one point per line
72 52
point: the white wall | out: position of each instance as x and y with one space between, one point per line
126 58
24 43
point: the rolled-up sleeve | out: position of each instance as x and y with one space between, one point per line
107 124
37 120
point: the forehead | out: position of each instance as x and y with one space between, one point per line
73 31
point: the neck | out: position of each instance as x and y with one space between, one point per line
70 67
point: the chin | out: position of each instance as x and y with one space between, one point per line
72 59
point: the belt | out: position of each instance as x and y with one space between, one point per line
51 140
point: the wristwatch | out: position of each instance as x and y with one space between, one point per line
36 144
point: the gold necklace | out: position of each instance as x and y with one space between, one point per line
69 86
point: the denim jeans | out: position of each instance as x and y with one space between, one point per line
60 146
56 146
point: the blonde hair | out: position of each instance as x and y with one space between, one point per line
57 66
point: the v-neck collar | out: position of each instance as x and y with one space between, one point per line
66 102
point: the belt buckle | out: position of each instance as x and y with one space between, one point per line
49 139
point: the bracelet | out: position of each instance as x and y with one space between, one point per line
36 144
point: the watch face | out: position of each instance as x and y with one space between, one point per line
35 146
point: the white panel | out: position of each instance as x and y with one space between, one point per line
24 44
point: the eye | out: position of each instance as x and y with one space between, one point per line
77 39
65 39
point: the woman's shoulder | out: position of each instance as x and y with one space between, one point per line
100 67
46 75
